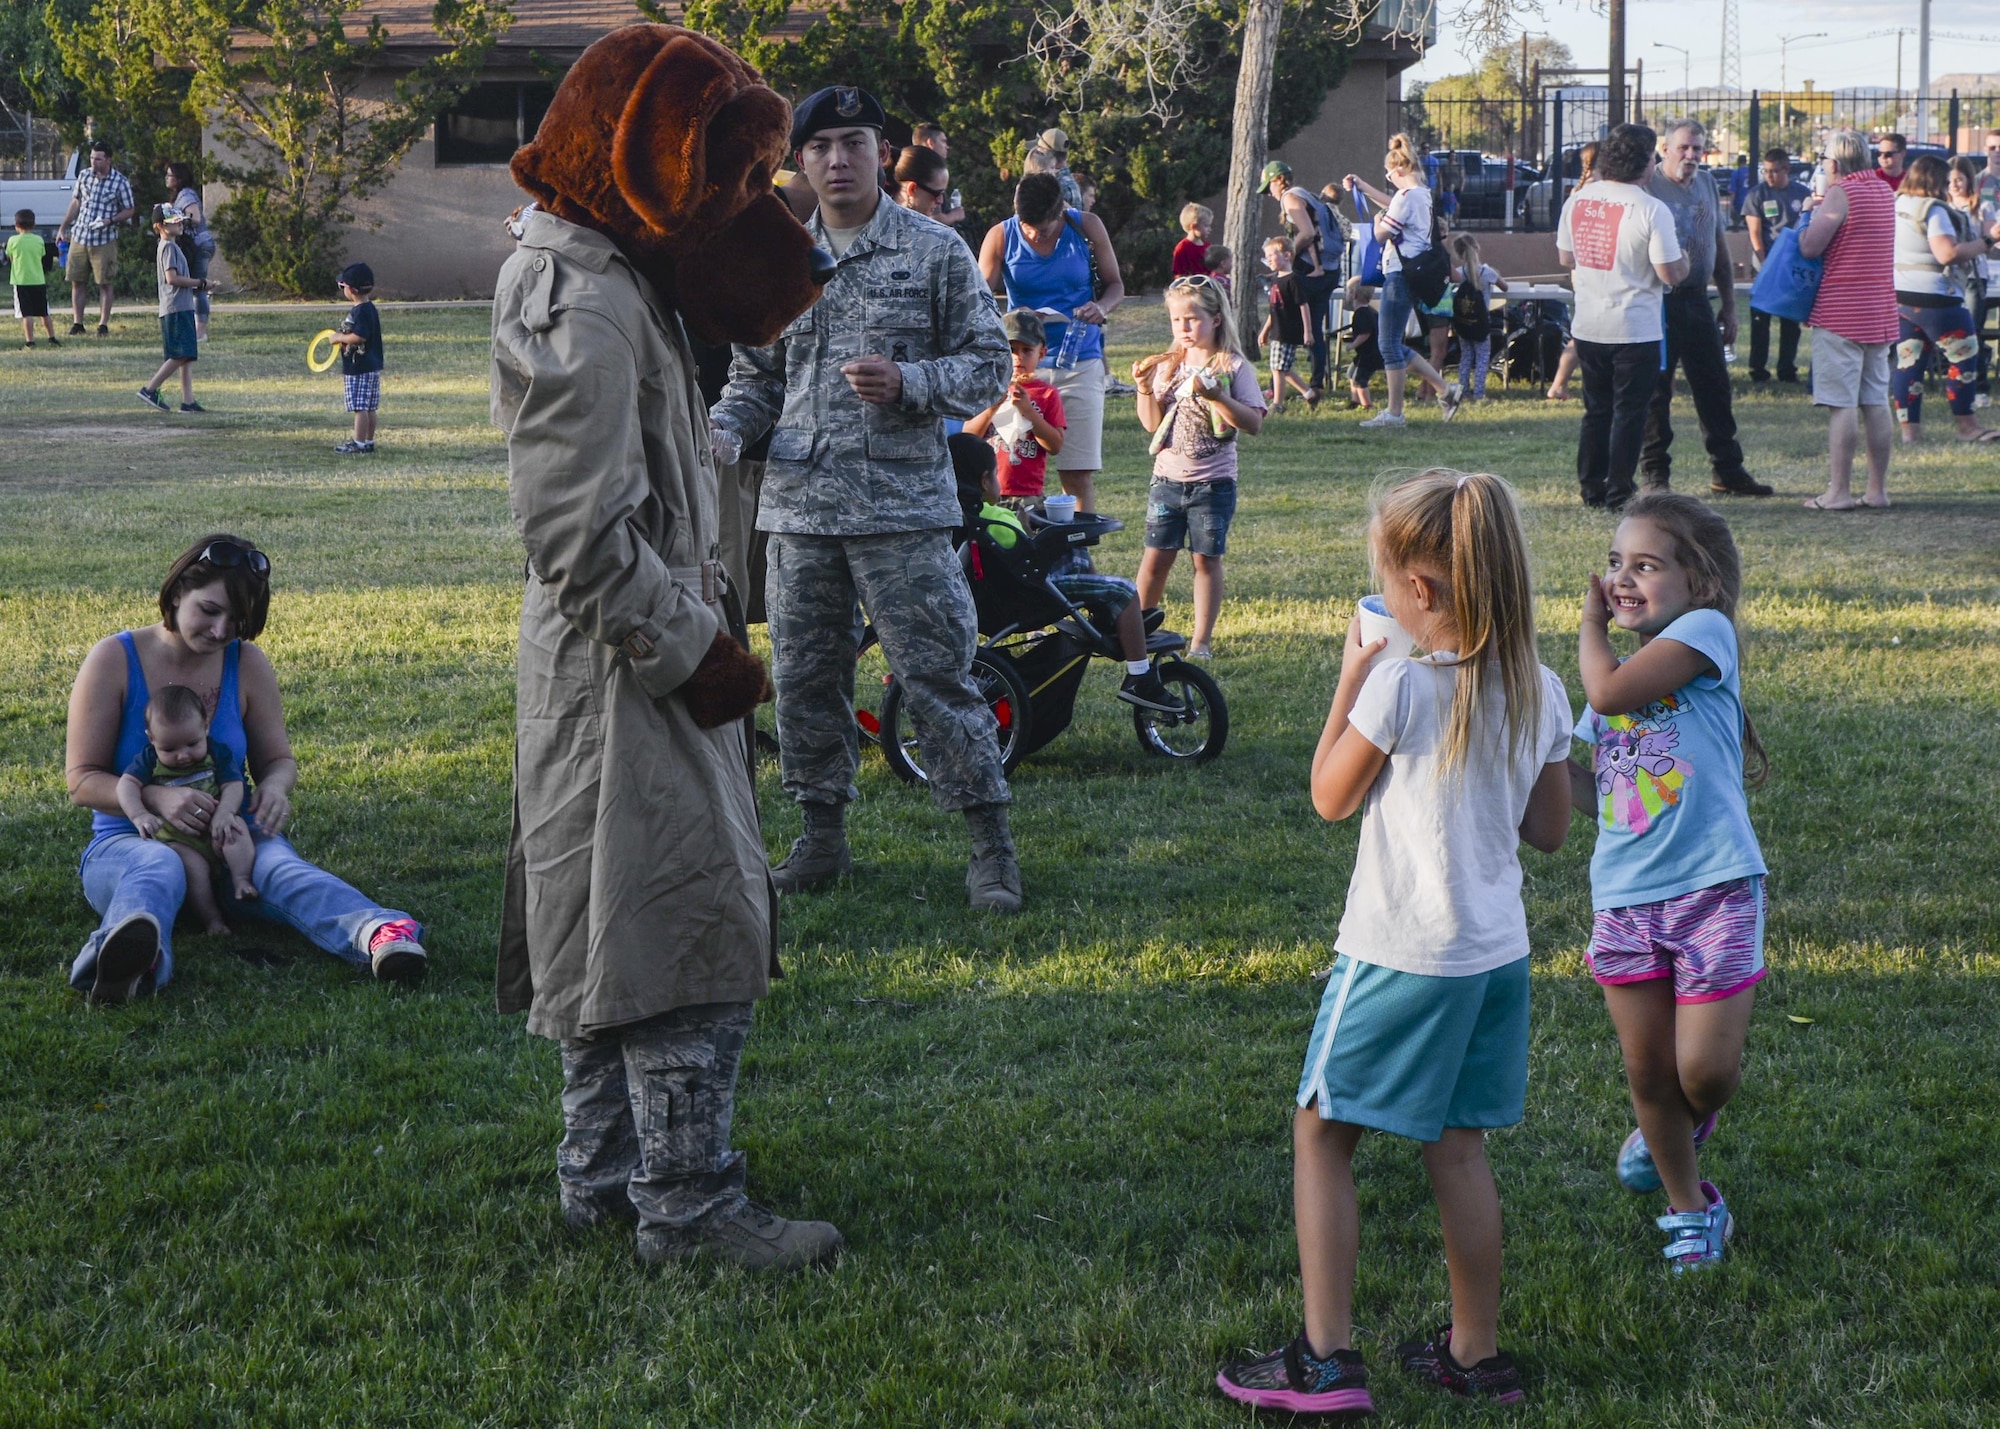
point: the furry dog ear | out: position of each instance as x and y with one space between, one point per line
698 139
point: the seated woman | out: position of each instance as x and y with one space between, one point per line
212 605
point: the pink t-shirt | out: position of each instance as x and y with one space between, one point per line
1194 451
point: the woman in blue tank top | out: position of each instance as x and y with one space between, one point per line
212 604
1042 257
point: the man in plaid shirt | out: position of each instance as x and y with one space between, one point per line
98 206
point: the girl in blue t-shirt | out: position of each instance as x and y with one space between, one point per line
1677 881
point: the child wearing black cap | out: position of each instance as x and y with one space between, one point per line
360 338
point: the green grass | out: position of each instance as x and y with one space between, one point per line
1057 1144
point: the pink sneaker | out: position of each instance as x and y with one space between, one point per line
394 952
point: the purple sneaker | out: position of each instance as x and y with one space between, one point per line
1699 1237
1295 1380
1497 1378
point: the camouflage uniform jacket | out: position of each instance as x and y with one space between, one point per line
908 290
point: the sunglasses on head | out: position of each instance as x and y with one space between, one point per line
228 555
1193 280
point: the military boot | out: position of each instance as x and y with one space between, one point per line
820 855
993 878
749 1236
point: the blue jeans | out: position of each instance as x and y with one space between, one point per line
124 875
1397 304
198 261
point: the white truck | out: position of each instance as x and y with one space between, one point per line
49 198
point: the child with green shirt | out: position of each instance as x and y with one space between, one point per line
27 262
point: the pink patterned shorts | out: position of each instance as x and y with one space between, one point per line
1710 941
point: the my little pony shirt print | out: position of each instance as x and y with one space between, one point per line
1672 817
1638 775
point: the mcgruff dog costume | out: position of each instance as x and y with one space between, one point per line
640 922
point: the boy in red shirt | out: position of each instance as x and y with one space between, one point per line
1025 428
1191 253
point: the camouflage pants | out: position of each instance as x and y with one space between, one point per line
916 597
646 1112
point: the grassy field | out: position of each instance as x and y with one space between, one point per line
1057 1144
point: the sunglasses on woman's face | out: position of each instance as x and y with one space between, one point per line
937 194
227 556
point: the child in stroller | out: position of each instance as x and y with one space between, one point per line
1110 601
1044 614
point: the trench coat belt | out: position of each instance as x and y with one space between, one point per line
711 578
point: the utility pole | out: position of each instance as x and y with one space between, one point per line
1614 60
1784 43
1687 85
1923 72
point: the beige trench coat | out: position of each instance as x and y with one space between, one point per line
636 876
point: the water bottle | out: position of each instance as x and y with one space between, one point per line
1072 343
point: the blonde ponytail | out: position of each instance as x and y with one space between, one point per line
1402 157
1466 528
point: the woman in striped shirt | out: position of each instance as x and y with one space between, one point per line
1854 319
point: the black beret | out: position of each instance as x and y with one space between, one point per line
838 106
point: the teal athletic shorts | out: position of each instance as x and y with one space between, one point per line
1410 1054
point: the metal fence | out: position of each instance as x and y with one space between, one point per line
30 148
1493 154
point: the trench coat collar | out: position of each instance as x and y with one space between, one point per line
889 228
594 250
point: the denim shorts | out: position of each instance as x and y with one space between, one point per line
1194 514
177 335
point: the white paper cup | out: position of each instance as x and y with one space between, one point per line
1378 624
1060 508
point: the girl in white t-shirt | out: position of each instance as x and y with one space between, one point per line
1404 227
1453 759
1196 398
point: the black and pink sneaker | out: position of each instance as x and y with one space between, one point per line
394 953
1297 1381
1497 1378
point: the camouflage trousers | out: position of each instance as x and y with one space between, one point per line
646 1113
915 595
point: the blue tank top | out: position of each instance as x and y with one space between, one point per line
1060 281
225 725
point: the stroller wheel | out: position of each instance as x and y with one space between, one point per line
1197 735
871 687
993 675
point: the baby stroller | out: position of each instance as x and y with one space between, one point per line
1536 333
1034 647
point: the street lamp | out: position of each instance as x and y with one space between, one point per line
1783 41
1663 45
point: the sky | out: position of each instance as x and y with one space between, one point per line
1854 51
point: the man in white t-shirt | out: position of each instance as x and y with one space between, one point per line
1620 244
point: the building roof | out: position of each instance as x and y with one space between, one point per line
557 30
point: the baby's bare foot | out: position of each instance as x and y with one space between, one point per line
216 928
245 890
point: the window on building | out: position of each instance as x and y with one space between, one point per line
490 121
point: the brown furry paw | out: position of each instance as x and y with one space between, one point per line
727 684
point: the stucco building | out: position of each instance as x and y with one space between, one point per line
435 230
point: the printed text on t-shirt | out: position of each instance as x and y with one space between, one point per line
1593 230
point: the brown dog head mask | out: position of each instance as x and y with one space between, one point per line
665 141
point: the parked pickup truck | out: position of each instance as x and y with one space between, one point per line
1482 190
49 198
